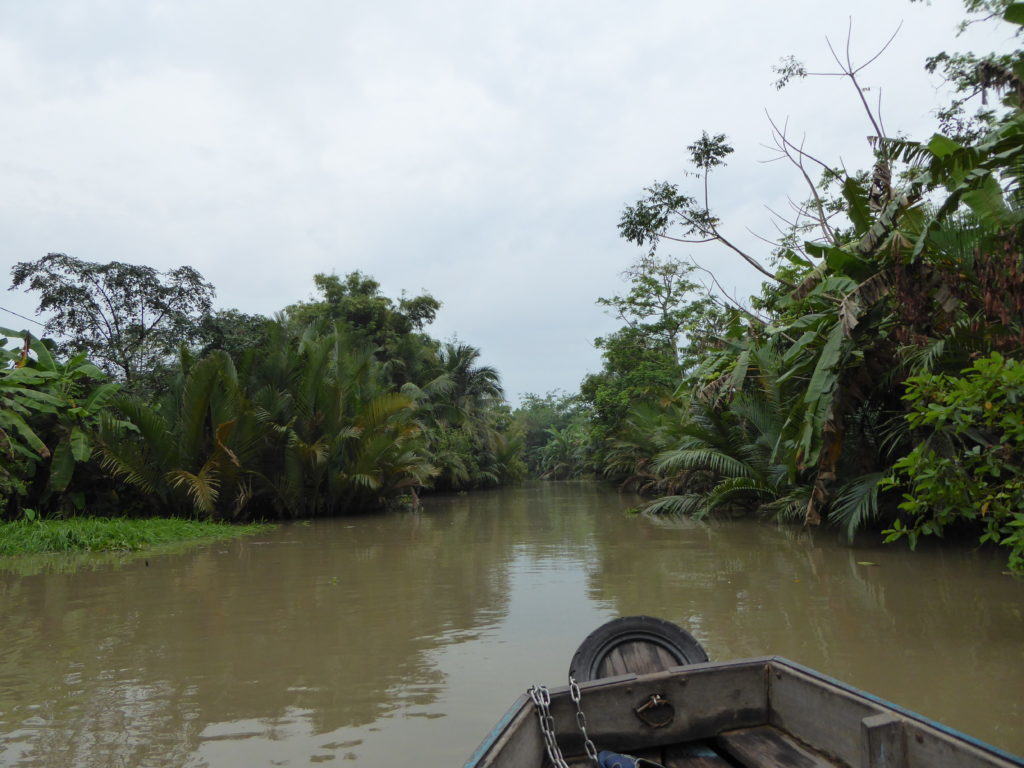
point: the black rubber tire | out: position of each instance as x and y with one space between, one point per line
673 638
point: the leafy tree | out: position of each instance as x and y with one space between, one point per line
969 465
357 300
306 426
233 332
794 409
669 320
474 387
129 318
49 412
973 77
468 429
666 214
537 414
664 305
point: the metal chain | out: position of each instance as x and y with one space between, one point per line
542 701
581 720
541 698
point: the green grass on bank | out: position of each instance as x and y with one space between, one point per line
97 534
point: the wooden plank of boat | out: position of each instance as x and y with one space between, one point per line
768 747
706 701
696 755
860 729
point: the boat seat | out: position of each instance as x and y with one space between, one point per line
768 747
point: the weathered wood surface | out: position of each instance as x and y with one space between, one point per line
844 724
768 747
637 656
883 741
520 745
693 756
817 713
707 698
931 748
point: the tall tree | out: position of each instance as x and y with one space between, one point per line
663 304
669 320
357 300
128 318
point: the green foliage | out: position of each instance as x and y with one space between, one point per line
969 465
736 456
538 414
973 77
669 324
129 318
467 427
355 409
96 534
49 410
305 427
358 301
566 454
794 408
233 332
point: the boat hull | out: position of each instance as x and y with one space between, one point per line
751 709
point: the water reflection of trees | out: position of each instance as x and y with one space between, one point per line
337 619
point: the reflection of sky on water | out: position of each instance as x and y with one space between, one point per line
401 639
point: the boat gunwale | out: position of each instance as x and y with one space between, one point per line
523 701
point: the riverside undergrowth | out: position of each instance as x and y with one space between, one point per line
97 534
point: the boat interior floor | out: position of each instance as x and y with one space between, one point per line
759 747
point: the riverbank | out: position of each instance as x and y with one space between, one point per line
99 534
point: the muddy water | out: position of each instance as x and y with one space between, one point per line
398 640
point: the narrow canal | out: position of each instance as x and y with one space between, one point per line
398 640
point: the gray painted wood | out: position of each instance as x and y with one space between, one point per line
520 746
768 747
829 715
883 742
817 713
707 700
931 748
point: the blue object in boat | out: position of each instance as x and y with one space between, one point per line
608 759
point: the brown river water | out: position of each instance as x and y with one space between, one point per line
398 640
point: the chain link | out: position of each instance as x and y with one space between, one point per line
581 719
541 698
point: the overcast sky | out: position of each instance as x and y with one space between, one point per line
478 150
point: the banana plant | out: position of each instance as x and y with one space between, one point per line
50 410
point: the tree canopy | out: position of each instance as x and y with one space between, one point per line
128 318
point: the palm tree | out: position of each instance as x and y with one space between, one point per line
307 427
187 452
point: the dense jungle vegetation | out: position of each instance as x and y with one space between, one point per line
154 403
877 380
